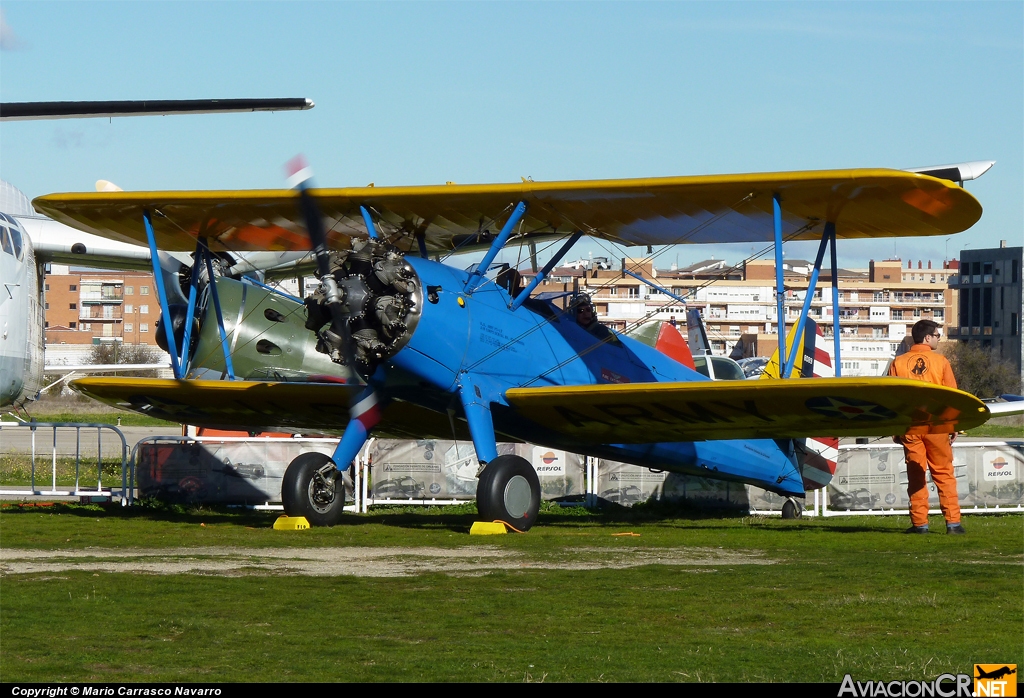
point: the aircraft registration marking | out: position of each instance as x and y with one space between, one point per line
849 408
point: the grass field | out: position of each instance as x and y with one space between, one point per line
689 597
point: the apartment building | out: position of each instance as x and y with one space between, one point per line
877 306
86 308
989 290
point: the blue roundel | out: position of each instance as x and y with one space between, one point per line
849 408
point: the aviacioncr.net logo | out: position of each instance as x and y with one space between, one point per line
944 686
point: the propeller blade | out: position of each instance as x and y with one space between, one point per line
300 175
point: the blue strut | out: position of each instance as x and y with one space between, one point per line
835 306
154 256
805 311
780 290
543 273
496 246
193 291
371 229
220 318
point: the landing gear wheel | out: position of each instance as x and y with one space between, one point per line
792 509
509 491
313 487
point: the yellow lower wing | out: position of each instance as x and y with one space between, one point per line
703 410
242 405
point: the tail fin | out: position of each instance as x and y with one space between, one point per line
817 455
696 337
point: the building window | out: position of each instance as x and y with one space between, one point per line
73 306
46 306
73 287
128 308
129 290
72 325
129 327
46 324
46 287
144 309
143 327
144 290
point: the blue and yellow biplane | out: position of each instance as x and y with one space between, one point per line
395 343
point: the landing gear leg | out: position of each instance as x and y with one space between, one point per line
792 509
509 491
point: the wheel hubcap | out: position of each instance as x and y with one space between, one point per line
517 497
322 491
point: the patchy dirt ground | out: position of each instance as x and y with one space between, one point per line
359 562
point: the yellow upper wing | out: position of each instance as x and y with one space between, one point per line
654 211
669 412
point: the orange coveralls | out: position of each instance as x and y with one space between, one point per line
932 451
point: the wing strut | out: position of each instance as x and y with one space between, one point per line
216 305
161 290
828 239
835 306
499 242
542 274
826 235
780 291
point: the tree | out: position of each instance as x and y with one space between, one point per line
121 353
979 371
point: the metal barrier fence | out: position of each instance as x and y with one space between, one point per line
224 470
18 440
870 479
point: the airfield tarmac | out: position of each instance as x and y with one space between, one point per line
356 561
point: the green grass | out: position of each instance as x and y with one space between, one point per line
128 419
15 470
845 595
997 431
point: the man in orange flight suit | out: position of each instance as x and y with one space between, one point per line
931 451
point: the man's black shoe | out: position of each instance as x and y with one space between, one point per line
955 528
917 529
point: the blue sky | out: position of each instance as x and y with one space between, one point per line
416 93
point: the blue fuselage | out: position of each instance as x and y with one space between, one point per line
474 339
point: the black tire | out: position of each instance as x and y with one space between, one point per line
313 487
791 509
509 491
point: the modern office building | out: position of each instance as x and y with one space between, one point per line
990 297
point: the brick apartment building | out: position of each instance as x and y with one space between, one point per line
87 308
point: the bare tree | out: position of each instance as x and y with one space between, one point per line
121 353
979 371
